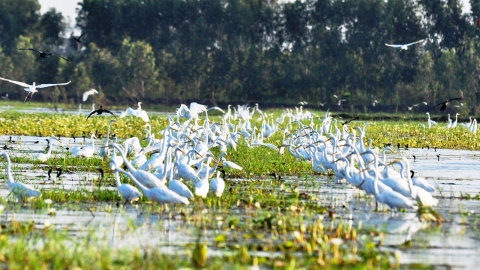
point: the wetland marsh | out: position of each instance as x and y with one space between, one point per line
275 213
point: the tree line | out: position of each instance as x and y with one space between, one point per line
238 51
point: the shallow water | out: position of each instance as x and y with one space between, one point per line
453 244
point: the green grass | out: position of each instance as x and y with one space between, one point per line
260 213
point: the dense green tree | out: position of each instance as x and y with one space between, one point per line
53 27
17 18
137 69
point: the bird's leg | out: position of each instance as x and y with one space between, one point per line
31 98
124 203
27 96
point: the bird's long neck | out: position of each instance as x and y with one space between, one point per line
375 181
207 168
409 179
134 180
8 170
406 167
49 151
125 160
108 135
117 178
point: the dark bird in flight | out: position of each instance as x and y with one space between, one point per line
348 121
99 112
445 104
43 54
77 39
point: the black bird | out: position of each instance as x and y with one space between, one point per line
414 158
100 170
445 103
49 172
348 121
100 111
77 39
43 54
438 156
59 172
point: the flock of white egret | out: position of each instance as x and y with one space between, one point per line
166 168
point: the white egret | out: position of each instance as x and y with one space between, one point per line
404 46
179 187
86 151
454 124
217 185
160 195
104 151
128 192
21 190
88 93
115 161
138 113
146 178
229 164
421 195
31 89
42 157
192 112
421 182
202 186
430 122
389 197
186 172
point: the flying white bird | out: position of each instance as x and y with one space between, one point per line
88 93
138 113
31 89
404 46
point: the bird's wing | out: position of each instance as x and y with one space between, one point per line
422 40
454 99
438 105
216 108
107 111
87 93
197 108
15 82
91 114
183 110
52 84
394 45
62 57
30 49
143 114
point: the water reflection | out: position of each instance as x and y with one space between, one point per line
455 243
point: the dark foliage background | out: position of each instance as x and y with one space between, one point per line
231 51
